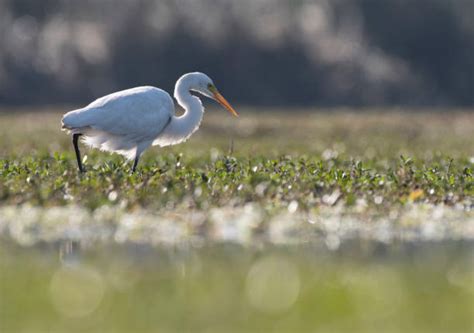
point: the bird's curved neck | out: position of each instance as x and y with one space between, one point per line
183 126
191 104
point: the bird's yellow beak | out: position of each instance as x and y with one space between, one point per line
222 101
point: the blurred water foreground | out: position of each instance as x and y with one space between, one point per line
241 270
363 286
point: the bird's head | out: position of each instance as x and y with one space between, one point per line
203 84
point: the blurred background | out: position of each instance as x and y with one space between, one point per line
259 52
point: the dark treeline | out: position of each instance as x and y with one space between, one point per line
262 52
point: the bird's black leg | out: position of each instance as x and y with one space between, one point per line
135 163
75 138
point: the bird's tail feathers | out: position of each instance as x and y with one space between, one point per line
75 120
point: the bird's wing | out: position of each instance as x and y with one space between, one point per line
138 113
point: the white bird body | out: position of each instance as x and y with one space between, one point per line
129 121
123 121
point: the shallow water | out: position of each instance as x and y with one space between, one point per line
362 286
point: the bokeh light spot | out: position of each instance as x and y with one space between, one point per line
76 291
273 285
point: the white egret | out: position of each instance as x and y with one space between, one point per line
129 121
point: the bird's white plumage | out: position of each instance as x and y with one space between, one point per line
123 121
129 121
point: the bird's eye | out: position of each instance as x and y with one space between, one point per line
209 86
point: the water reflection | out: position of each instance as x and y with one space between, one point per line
69 252
137 287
